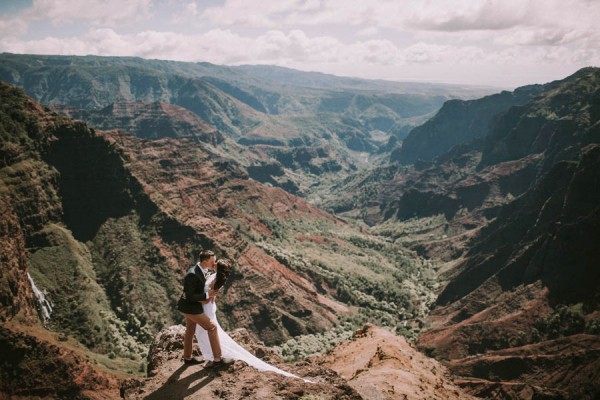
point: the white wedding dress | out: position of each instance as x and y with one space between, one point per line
229 347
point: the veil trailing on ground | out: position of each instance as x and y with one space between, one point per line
229 347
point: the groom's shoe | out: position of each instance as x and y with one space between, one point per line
192 361
220 364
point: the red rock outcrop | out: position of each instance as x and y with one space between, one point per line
381 365
375 364
35 365
16 296
149 121
567 367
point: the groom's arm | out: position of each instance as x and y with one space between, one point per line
190 283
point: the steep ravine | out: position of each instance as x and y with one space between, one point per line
513 213
519 317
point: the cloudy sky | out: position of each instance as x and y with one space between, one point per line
491 42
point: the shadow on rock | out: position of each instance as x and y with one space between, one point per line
176 388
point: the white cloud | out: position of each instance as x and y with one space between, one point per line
540 37
273 47
379 39
296 46
433 53
461 15
250 13
370 31
97 12
13 27
382 52
446 15
188 12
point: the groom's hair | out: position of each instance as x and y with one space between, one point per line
206 254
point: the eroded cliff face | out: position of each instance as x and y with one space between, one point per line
24 204
459 122
37 365
514 214
524 297
212 196
148 120
472 178
34 362
16 297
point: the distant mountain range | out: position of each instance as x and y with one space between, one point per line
256 106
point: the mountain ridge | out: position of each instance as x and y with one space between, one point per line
249 109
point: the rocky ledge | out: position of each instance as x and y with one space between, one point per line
375 364
169 378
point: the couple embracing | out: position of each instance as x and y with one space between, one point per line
198 306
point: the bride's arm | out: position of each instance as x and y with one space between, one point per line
211 286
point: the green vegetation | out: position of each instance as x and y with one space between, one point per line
63 269
112 293
565 320
140 284
303 346
380 281
17 126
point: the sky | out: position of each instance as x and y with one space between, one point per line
502 43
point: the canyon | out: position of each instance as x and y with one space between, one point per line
468 230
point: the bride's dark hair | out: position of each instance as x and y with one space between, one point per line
224 267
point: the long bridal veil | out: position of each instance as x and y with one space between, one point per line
229 347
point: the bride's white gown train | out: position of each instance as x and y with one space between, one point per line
229 347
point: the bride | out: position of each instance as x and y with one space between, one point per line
229 347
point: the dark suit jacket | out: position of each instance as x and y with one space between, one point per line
193 291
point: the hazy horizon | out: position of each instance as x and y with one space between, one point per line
490 43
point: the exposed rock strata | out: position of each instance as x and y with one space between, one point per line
458 122
149 121
35 365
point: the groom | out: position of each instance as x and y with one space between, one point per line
190 305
